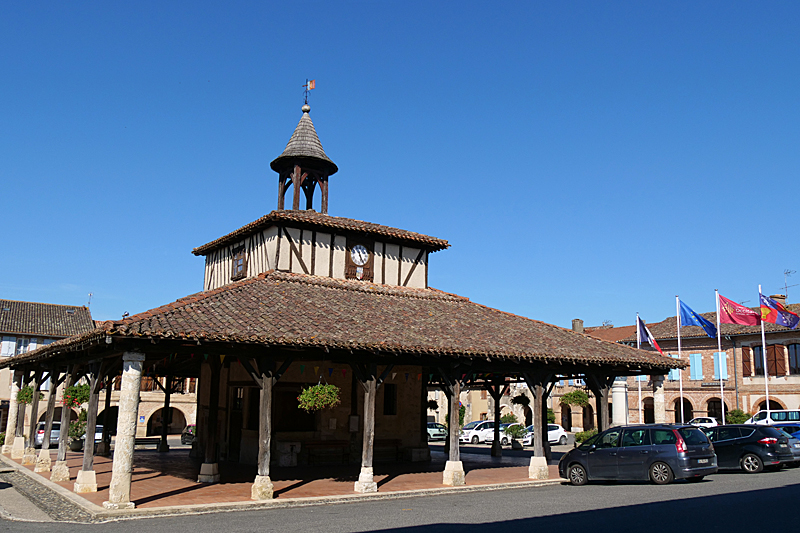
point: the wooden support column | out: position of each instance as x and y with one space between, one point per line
454 468
166 417
29 457
60 471
537 383
496 391
18 450
365 482
13 413
87 481
209 470
600 385
43 462
104 446
119 490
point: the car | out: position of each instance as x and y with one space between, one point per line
791 429
749 447
658 452
476 432
775 417
436 431
98 434
55 431
504 439
704 421
555 435
189 434
794 446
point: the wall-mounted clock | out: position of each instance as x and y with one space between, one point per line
359 255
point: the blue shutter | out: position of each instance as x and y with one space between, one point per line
674 373
641 378
571 382
720 363
696 366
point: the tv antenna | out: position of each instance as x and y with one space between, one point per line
786 274
90 299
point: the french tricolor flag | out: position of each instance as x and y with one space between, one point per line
642 333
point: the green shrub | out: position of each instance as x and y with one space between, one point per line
736 416
508 418
25 395
515 431
76 395
78 427
551 416
583 435
2 438
319 397
576 397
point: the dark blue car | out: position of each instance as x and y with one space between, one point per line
660 453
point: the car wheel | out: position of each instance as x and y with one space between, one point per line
504 442
475 439
577 475
660 473
751 463
563 440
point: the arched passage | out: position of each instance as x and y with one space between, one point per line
566 417
588 418
176 421
57 415
688 410
112 414
649 411
773 405
714 409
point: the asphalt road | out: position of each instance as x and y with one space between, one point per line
727 502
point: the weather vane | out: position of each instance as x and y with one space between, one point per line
308 86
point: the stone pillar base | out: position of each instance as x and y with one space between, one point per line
365 481
454 474
18 448
209 473
43 462
103 449
60 472
86 482
29 457
123 505
6 449
538 468
163 446
497 449
261 489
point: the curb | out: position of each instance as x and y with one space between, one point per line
100 514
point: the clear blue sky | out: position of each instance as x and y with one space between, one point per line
584 159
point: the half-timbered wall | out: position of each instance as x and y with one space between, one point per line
305 251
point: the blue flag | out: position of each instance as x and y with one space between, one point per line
690 318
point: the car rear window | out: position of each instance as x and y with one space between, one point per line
770 432
693 436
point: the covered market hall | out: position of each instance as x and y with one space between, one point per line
300 298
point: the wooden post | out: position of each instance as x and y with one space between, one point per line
29 457
537 407
365 481
166 417
104 447
43 462
537 383
87 481
496 390
453 468
262 488
60 471
209 470
450 429
600 385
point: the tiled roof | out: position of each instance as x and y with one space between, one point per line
47 320
666 329
611 334
304 144
298 310
325 222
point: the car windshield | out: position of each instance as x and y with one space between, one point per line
529 429
693 436
471 425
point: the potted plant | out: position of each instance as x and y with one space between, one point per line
516 432
318 397
77 429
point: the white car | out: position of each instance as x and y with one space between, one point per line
504 439
476 432
555 435
704 422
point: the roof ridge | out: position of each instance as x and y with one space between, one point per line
43 303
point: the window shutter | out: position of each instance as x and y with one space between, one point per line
696 366
9 343
780 360
747 367
772 360
674 373
720 365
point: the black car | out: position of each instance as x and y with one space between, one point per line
749 447
660 453
189 434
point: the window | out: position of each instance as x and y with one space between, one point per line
720 365
696 366
483 395
643 377
664 436
609 440
239 268
636 437
389 399
758 361
22 345
674 374
794 358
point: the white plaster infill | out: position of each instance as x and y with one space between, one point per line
366 482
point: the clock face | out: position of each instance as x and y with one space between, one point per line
359 255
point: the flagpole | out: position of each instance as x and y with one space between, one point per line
764 356
680 370
639 381
719 358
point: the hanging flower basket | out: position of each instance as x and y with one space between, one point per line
318 397
25 395
76 395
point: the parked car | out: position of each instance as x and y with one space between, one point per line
476 432
189 434
794 446
749 447
704 421
55 431
775 417
98 434
791 429
555 435
504 439
436 431
660 452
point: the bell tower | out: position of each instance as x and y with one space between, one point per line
304 165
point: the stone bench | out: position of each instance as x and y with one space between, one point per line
147 441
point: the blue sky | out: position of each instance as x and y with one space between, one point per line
585 160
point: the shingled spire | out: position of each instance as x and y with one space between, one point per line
304 164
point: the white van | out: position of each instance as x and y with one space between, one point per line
776 416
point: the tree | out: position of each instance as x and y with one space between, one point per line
508 418
576 397
736 416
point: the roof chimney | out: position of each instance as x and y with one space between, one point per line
780 298
577 325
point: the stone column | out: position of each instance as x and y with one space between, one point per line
60 471
365 482
619 399
659 404
119 492
454 468
29 457
43 462
87 481
262 487
13 412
